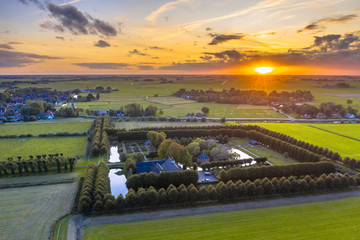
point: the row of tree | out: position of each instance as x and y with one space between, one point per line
297 169
230 191
98 139
164 179
42 163
95 188
232 163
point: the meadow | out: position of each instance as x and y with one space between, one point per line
137 124
69 146
44 127
30 212
335 219
306 132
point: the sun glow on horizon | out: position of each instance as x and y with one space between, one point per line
263 70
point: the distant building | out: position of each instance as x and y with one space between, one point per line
321 116
349 116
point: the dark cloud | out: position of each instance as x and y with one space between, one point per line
70 18
319 25
104 28
137 52
208 29
206 58
20 59
6 46
229 55
103 65
221 38
52 26
145 67
102 44
335 42
39 4
60 38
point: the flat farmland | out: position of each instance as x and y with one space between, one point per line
42 128
105 106
218 110
69 146
312 134
169 100
335 219
133 124
30 212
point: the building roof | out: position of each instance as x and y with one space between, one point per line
203 156
168 165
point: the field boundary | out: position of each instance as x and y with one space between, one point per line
20 185
335 133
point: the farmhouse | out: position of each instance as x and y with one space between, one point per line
158 166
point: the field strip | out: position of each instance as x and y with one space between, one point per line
335 133
93 221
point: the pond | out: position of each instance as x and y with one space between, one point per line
117 182
114 155
241 155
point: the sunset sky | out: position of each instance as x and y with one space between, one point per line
179 36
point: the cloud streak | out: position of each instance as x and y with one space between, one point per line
20 59
222 38
105 65
102 44
164 8
320 25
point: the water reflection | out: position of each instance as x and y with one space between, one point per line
114 155
117 182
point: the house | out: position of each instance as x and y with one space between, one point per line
202 158
306 116
321 116
349 116
158 166
336 116
254 142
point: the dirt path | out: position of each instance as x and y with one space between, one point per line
91 221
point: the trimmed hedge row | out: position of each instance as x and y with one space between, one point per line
230 191
231 163
297 169
164 179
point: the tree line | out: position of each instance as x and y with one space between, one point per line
164 179
231 191
297 169
232 163
37 164
98 141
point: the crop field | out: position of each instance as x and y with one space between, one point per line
306 132
335 219
133 124
46 127
272 156
30 212
69 146
218 110
170 100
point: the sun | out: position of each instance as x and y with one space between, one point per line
263 70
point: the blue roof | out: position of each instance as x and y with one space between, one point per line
157 166
203 156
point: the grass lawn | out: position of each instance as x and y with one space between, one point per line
170 100
69 146
136 124
218 110
335 219
105 106
304 132
44 178
44 127
30 212
272 156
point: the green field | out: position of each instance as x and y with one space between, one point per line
272 156
304 132
69 146
45 127
30 212
136 124
218 110
107 105
336 219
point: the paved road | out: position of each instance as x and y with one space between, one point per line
90 221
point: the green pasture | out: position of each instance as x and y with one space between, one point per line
105 106
44 127
335 219
30 212
69 146
304 132
218 110
138 124
272 156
